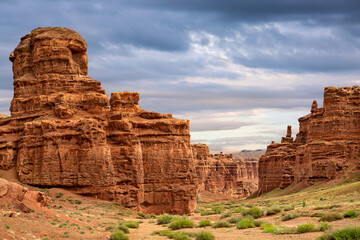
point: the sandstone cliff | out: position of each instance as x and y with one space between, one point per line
327 143
222 174
65 132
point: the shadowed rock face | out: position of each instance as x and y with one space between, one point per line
327 143
223 175
63 133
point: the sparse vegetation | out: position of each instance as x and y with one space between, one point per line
255 212
245 223
205 223
205 235
348 233
351 213
290 216
273 210
182 223
306 227
235 219
221 224
330 217
59 194
164 219
131 224
118 235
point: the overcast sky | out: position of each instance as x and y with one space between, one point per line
240 70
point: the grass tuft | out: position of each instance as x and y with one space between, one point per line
205 235
221 224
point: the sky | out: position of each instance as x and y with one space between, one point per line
240 70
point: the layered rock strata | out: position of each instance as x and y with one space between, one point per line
65 132
327 143
221 174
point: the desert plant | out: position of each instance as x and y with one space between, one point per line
205 223
221 224
267 228
182 223
273 210
226 215
323 226
205 235
330 217
78 202
306 227
245 223
350 213
59 194
289 207
258 223
123 228
255 212
235 219
218 209
279 230
239 210
290 216
131 224
207 212
118 235
164 219
348 233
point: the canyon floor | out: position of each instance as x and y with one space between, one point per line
72 216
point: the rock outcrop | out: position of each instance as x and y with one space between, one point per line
327 143
65 132
222 174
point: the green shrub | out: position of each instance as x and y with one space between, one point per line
350 213
348 233
131 224
258 223
181 223
218 209
288 208
207 212
329 217
175 235
235 219
255 212
77 201
267 228
323 226
226 215
279 230
205 235
306 227
205 223
221 224
123 228
164 219
245 223
273 210
59 194
290 216
118 235
240 210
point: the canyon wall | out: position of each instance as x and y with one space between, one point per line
64 131
327 143
222 174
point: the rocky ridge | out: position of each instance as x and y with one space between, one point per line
328 142
64 131
222 174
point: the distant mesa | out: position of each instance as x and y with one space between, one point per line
64 131
328 143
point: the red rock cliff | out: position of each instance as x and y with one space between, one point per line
223 175
327 143
65 132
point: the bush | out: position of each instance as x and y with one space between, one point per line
176 235
290 216
225 215
349 233
288 208
131 224
221 224
207 212
205 223
240 210
77 201
218 209
235 219
329 217
306 227
284 230
59 194
350 213
258 223
205 235
118 235
123 228
245 223
164 219
182 223
323 226
267 228
255 212
273 210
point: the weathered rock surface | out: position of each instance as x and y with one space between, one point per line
222 174
327 143
65 132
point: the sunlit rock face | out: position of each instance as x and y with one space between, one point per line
64 131
222 174
327 143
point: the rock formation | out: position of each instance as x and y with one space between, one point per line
327 143
65 132
221 174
